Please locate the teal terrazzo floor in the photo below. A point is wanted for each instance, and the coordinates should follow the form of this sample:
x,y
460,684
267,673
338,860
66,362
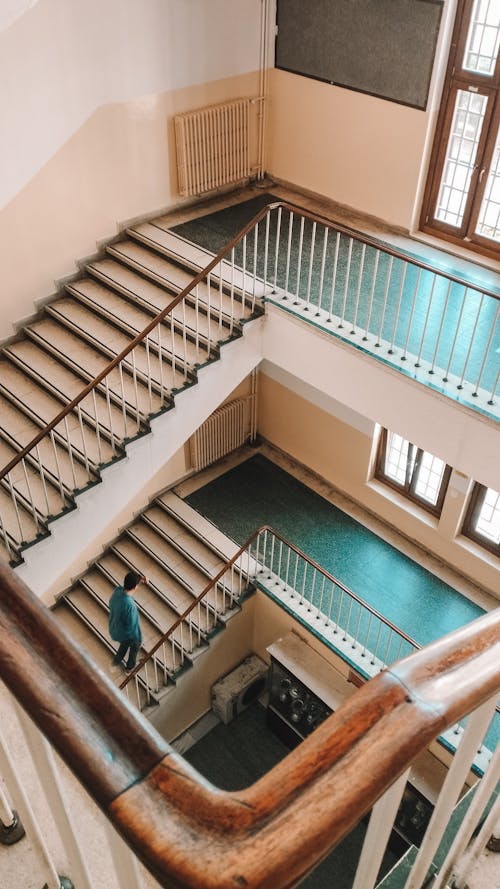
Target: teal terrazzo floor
x,y
257,492
415,298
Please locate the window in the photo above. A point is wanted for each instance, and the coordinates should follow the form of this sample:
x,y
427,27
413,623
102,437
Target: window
x,y
462,200
482,522
406,467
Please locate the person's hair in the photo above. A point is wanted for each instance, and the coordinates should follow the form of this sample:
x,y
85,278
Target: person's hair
x,y
131,580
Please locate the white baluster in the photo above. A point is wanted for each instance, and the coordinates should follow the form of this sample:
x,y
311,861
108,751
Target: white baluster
x,y
379,830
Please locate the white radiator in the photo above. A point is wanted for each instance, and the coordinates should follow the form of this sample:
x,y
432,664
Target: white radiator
x,y
213,146
226,429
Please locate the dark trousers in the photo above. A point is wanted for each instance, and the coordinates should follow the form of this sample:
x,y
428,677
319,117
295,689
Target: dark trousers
x,y
132,648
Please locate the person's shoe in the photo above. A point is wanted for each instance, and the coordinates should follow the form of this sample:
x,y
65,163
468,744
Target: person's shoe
x,y
129,669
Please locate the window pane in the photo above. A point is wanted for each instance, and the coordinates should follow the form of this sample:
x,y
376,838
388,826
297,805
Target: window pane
x,y
488,223
396,458
481,48
488,520
430,476
465,133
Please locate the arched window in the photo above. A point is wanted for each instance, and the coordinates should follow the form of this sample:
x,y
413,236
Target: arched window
x,y
462,200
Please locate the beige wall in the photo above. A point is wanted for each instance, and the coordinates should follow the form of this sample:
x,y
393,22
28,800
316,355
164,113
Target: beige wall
x,y
357,150
118,165
340,448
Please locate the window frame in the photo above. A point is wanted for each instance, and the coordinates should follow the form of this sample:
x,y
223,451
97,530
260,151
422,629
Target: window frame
x,y
457,78
472,514
408,490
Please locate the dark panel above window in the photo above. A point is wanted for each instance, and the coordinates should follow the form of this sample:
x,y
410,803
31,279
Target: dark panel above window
x,y
381,47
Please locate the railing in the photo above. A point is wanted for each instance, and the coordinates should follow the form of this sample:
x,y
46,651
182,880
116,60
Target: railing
x,y
271,834
428,323
360,634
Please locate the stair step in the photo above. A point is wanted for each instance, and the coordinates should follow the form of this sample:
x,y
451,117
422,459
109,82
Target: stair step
x,y
155,297
67,384
200,525
90,360
158,269
28,483
160,238
15,426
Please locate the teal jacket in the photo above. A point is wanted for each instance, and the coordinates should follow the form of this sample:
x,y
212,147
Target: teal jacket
x,y
124,617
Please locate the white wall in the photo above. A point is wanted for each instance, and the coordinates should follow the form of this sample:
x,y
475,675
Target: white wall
x,y
88,92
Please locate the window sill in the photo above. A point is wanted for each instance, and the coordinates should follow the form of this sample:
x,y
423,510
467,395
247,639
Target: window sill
x,y
479,552
404,503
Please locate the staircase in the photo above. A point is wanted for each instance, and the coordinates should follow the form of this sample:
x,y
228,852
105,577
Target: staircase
x,y
180,552
72,342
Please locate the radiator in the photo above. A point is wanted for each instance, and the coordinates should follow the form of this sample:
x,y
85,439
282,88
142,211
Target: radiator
x,y
226,429
213,146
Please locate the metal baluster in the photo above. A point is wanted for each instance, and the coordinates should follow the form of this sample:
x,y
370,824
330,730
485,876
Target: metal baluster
x,y
385,659
375,647
329,613
294,585
82,433
108,403
334,276
358,292
299,265
271,567
231,295
276,255
97,428
438,338
413,303
136,390
30,497
255,245
289,552
427,314
377,835
301,598
398,307
384,304
160,366
322,269
372,294
356,632
148,366
197,319
280,553
16,508
320,606
309,276
486,351
368,630
220,299
244,264
469,350
346,285
346,628
493,391
6,540
173,364
455,336
42,477
184,338
209,314
288,253
70,451
266,249
58,468
313,584
124,411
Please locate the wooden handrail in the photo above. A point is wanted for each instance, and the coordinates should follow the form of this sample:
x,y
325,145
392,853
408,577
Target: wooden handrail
x,y
191,835
230,562
222,254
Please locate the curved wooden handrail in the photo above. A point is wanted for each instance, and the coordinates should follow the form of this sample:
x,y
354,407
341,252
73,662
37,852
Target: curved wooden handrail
x,y
191,835
222,254
230,562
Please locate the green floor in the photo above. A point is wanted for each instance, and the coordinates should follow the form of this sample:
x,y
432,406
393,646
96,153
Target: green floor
x,y
415,298
257,492
234,756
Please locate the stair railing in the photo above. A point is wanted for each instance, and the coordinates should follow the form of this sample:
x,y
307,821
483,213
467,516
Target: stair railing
x,y
362,636
399,309
270,835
